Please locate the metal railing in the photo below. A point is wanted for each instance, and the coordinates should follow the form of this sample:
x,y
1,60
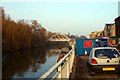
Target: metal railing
x,y
63,70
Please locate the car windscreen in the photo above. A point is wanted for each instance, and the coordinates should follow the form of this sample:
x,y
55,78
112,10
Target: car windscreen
x,y
106,53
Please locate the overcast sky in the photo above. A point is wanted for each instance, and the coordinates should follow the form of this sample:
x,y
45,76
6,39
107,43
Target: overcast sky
x,y
75,17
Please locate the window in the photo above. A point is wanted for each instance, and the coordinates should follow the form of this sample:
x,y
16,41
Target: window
x,y
106,53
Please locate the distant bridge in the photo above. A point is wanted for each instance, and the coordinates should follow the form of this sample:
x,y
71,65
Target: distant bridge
x,y
59,37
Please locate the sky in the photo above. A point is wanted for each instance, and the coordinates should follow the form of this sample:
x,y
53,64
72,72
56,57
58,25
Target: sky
x,y
65,16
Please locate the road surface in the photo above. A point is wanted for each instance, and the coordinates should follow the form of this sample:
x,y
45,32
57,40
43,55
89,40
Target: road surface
x,y
82,71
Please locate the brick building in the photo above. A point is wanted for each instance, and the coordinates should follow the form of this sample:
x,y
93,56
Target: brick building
x,y
117,24
109,30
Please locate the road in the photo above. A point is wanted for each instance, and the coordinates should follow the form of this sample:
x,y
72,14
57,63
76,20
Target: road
x,y
82,71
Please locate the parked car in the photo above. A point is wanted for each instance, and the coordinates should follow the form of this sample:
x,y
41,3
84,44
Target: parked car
x,y
103,59
63,52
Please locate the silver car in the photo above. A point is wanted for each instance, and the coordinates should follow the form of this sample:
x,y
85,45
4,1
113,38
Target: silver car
x,y
103,59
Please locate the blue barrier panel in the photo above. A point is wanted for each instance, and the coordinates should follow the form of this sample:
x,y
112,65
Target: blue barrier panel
x,y
83,45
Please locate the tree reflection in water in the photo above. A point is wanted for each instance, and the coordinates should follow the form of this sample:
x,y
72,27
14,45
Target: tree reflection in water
x,y
39,57
19,62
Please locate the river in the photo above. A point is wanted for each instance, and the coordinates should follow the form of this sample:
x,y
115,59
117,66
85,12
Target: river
x,y
28,63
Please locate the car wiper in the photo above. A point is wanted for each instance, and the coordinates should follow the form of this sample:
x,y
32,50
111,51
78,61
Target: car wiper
x,y
108,56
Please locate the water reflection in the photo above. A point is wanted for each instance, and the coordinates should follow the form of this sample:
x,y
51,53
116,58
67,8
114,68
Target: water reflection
x,y
38,57
22,61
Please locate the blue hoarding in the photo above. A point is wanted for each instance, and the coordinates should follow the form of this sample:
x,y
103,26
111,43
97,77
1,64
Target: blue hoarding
x,y
83,45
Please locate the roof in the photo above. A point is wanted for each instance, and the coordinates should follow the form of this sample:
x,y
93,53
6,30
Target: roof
x,y
104,48
117,19
110,24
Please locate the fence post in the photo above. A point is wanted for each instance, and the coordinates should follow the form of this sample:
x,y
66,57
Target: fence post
x,y
68,66
60,72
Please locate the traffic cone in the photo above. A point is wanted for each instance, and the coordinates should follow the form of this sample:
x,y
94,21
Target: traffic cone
x,y
85,54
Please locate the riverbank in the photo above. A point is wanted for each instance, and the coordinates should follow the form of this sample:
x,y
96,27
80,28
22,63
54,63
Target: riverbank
x,y
47,45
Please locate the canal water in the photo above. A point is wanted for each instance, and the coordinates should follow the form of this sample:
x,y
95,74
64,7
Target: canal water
x,y
28,63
